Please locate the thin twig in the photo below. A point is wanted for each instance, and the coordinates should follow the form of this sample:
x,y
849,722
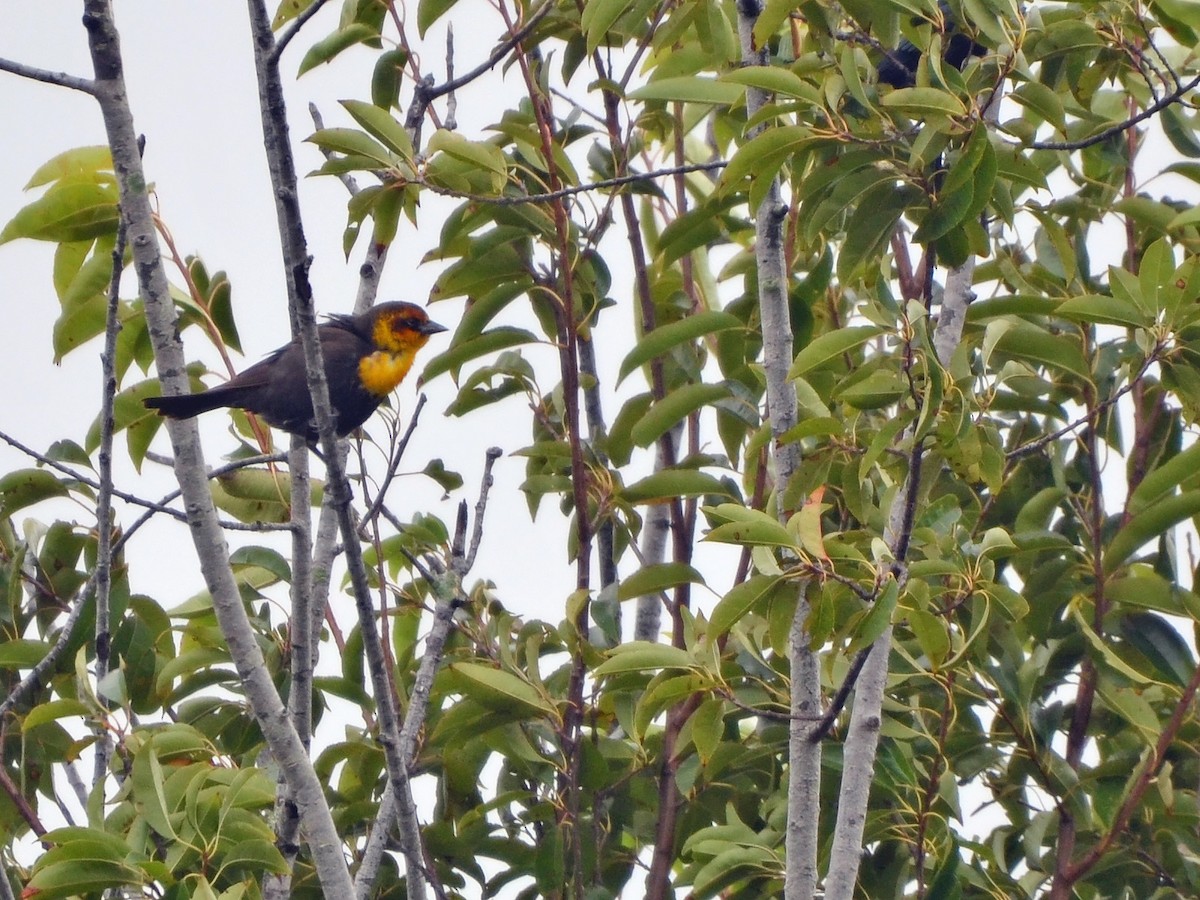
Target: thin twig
x,y
451,120
61,79
502,50
393,465
1174,97
18,800
838,703
485,486
1035,446
285,37
435,644
300,305
159,506
580,188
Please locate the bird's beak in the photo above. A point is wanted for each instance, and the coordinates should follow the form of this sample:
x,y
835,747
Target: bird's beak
x,y
431,327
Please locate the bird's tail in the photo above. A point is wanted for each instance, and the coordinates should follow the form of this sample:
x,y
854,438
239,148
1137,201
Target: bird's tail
x,y
186,406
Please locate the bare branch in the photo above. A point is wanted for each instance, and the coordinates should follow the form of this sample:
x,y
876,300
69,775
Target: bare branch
x,y
159,506
393,466
559,194
485,486
433,92
299,22
112,95
59,79
450,596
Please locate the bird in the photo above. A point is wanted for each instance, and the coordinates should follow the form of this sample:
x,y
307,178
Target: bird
x,y
366,356
899,67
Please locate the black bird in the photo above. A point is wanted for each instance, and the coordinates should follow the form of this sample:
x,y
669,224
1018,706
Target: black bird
x,y
899,67
366,356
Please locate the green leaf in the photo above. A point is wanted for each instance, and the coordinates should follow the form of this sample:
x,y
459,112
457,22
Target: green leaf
x,y
674,407
264,559
668,484
381,125
872,224
1161,643
253,495
620,435
1105,652
643,656
878,618
482,155
773,15
22,653
1104,310
752,594
386,78
93,163
1148,525
72,873
830,346
707,727
1043,101
1038,346
663,338
327,48
429,11
25,487
489,342
658,577
504,691
763,154
923,102
1180,471
1184,11
288,10
689,89
52,711
149,791
70,211
752,528
353,143
254,857
774,80
598,19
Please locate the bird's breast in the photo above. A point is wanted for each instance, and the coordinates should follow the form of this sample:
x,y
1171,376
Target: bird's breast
x,y
380,372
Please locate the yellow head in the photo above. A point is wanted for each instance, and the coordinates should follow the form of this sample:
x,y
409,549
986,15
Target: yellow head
x,y
398,330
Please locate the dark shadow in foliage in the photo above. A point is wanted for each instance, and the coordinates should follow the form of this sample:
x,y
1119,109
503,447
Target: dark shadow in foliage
x,y
899,67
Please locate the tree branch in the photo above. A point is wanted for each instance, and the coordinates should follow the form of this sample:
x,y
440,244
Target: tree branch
x,y
269,711
560,193
804,757
299,22
59,79
104,524
295,255
1154,108
450,598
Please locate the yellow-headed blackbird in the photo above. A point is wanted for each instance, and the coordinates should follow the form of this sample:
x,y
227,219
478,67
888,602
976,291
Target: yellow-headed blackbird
x,y
366,357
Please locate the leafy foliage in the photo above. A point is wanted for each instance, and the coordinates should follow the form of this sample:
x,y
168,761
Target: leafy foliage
x,y
1039,733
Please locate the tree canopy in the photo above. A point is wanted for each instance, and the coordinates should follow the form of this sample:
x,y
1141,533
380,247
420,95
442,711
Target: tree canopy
x,y
852,345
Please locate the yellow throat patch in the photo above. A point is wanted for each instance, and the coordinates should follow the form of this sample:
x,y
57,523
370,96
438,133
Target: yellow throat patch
x,y
382,370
